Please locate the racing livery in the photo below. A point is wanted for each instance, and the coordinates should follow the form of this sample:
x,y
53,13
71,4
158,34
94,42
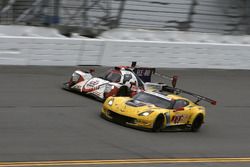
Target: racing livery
x,y
120,81
157,111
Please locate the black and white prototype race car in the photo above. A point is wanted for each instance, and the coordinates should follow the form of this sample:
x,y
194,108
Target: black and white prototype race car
x,y
119,81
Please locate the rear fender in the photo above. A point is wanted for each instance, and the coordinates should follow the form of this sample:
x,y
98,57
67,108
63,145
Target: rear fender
x,y
195,113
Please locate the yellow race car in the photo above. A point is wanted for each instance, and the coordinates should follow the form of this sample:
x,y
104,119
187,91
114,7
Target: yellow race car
x,y
157,111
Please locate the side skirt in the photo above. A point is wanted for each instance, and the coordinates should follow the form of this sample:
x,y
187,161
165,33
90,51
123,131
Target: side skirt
x,y
177,128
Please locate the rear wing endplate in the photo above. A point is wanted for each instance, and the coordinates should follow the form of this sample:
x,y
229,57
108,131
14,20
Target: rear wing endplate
x,y
145,74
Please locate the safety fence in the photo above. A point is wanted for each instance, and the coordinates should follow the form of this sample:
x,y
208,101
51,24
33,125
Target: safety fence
x,y
214,16
72,52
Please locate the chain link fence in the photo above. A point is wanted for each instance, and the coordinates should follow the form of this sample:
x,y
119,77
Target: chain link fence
x,y
90,17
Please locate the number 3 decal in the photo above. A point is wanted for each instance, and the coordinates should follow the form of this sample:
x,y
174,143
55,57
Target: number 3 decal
x,y
176,119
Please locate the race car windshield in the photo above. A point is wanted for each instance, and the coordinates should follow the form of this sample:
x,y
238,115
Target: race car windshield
x,y
113,77
153,99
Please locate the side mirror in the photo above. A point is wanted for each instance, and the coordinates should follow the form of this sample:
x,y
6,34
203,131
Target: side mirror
x,y
132,83
125,80
179,109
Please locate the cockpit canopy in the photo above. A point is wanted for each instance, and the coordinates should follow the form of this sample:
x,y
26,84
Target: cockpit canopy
x,y
113,76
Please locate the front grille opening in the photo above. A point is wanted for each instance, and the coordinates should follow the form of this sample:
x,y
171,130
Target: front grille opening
x,y
121,118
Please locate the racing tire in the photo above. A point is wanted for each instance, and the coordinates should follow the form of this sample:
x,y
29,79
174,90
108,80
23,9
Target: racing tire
x,y
123,91
158,123
197,123
103,116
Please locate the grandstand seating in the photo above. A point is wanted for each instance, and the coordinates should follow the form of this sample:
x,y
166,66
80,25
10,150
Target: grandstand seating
x,y
223,16
160,14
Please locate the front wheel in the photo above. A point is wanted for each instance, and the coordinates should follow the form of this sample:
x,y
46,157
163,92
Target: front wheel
x,y
197,123
158,123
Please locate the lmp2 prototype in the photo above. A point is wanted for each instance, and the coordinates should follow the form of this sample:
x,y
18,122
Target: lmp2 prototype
x,y
157,111
119,81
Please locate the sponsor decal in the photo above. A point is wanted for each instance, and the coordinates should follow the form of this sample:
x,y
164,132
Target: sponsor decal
x,y
177,119
92,83
180,118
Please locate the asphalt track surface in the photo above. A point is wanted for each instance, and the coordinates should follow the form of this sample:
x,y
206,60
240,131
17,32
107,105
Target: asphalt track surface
x,y
41,122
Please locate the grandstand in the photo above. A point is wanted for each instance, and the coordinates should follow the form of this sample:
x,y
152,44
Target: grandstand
x,y
95,16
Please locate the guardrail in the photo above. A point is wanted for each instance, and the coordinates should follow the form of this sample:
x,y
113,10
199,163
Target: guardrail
x,y
72,52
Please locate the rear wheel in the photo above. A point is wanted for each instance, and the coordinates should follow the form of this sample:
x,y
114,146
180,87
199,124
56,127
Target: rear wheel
x,y
158,123
123,91
197,123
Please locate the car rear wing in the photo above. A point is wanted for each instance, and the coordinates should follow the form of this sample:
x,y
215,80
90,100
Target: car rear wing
x,y
178,91
145,74
173,79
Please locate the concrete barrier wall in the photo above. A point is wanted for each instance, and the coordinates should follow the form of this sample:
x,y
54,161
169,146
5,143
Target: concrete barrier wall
x,y
12,51
39,51
53,51
71,52
178,55
91,52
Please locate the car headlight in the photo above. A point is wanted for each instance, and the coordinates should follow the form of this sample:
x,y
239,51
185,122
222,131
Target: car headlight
x,y
108,88
146,113
110,102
